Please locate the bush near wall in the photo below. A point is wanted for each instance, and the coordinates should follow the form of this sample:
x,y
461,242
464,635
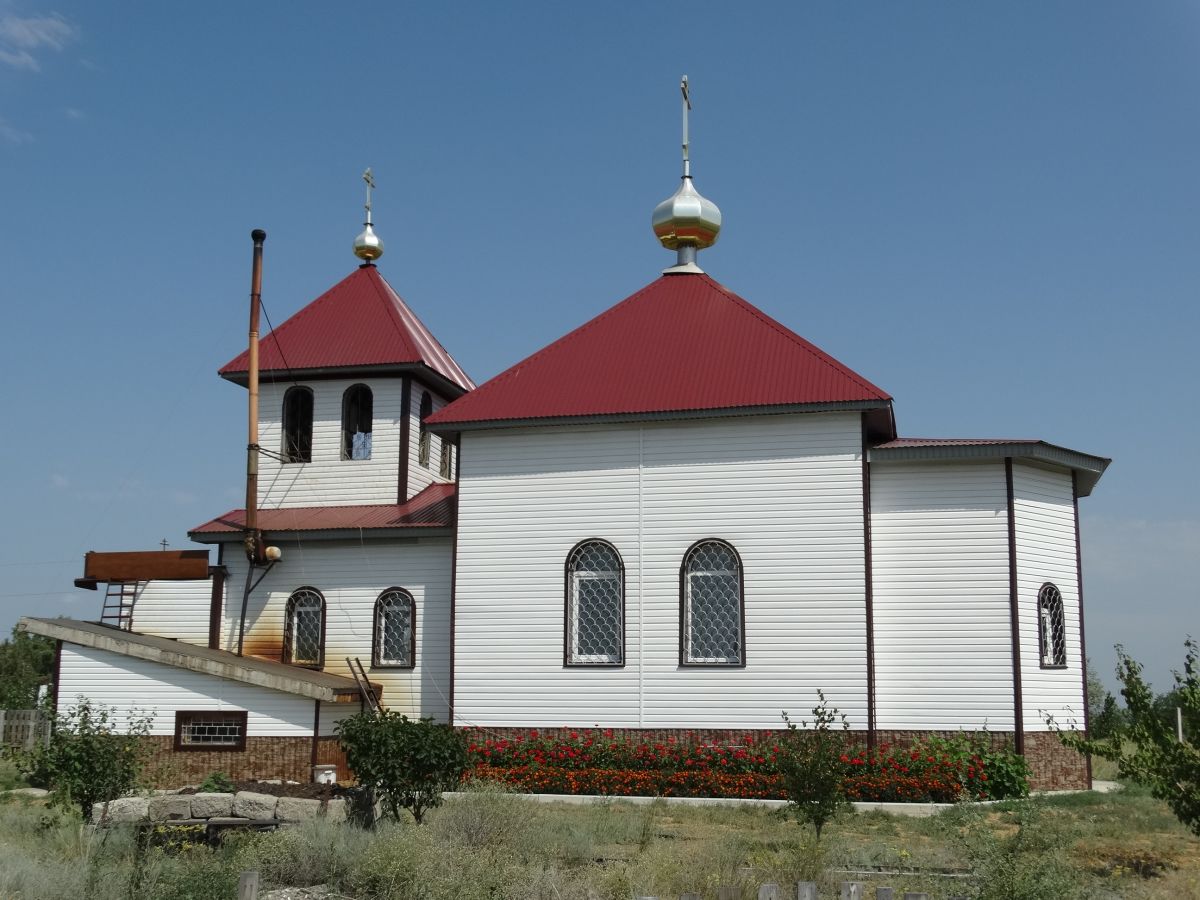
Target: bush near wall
x,y
941,770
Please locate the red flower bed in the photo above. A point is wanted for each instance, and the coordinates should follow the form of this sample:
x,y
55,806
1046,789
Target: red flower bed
x,y
597,762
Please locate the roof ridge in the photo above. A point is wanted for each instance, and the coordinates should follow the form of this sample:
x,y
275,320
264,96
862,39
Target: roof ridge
x,y
390,308
797,339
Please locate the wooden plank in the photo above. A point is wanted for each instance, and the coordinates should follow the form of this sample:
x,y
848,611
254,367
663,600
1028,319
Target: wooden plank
x,y
146,565
248,885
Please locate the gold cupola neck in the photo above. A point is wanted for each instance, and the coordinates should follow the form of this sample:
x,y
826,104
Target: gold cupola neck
x,y
686,222
368,246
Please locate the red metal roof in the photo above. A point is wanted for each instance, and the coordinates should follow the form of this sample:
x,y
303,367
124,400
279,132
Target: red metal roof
x,y
682,343
432,508
360,321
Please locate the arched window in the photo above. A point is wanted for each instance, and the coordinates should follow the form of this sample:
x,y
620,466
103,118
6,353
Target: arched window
x,y
395,629
1052,628
447,464
357,411
423,444
595,606
712,618
304,629
297,425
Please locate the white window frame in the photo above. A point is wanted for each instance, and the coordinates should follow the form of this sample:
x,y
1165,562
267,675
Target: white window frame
x,y
573,655
687,617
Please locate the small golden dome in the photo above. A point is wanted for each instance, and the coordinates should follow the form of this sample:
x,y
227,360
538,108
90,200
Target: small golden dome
x,y
686,219
368,246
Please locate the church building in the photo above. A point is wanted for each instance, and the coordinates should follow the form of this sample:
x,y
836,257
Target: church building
x,y
679,517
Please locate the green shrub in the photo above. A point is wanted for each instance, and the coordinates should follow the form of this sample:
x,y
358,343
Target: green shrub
x,y
407,763
811,765
87,760
217,783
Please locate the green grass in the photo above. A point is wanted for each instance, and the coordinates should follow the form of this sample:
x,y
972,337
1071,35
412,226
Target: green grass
x,y
489,844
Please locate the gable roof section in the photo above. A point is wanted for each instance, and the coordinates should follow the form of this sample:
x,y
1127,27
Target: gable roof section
x,y
434,507
682,344
359,322
219,663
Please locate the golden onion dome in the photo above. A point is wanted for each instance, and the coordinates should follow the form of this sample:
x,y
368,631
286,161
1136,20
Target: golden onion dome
x,y
686,219
368,246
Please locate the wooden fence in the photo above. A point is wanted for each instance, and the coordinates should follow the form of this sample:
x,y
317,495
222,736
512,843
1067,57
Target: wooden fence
x,y
248,887
23,728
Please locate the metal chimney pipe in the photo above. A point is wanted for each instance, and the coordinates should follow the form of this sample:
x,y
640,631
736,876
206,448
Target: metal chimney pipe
x,y
253,551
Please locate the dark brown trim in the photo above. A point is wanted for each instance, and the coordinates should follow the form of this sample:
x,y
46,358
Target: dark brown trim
x,y
454,577
567,663
312,759
405,437
55,681
216,602
287,629
1083,660
683,602
868,588
1014,611
181,715
412,632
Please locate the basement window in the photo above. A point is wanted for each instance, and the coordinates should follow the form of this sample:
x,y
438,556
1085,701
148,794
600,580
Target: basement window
x,y
210,730
297,425
595,606
304,629
425,437
712,611
357,410
1052,628
395,629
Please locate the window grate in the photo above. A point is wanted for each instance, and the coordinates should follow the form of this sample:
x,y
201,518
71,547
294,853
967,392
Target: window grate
x,y
595,606
395,614
210,730
712,605
1052,627
305,626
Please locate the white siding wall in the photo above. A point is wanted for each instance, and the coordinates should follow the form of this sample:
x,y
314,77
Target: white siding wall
x,y
128,684
329,479
351,575
419,476
174,609
1045,518
785,491
332,713
943,643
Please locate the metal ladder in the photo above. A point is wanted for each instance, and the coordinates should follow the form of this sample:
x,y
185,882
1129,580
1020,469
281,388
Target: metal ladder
x,y
119,598
364,684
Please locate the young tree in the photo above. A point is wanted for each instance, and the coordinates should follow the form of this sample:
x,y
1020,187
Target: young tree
x,y
812,767
1104,715
407,763
26,661
88,760
1148,750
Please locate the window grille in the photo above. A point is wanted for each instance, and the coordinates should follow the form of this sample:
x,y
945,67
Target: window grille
x,y
445,467
357,420
395,629
423,443
210,730
595,606
712,605
297,425
305,628
1052,627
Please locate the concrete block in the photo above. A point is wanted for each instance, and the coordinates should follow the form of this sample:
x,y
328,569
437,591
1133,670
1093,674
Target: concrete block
x,y
129,809
296,809
207,805
335,810
169,807
251,805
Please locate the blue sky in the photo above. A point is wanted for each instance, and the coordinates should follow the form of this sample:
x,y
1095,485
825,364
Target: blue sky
x,y
991,212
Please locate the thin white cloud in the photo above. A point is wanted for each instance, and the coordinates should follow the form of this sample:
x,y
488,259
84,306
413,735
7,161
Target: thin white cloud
x,y
12,135
72,113
23,37
59,481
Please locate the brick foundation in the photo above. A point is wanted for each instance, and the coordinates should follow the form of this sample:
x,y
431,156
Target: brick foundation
x,y
289,758
1052,766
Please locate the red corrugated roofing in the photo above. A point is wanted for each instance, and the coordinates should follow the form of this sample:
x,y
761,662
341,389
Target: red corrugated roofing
x,y
360,321
431,508
954,442
682,343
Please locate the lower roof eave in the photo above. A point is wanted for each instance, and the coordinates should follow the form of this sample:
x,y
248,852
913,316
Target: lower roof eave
x,y
276,676
452,428
329,534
